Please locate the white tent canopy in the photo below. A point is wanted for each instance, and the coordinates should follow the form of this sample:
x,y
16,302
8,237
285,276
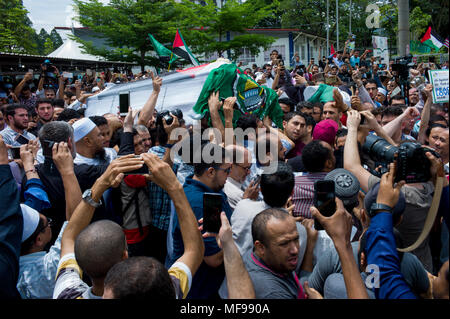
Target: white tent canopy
x,y
71,49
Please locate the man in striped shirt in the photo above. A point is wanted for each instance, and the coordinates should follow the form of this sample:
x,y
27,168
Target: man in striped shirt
x,y
318,159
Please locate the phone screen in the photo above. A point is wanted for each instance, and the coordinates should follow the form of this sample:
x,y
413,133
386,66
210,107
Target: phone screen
x,y
324,200
15,151
331,80
22,139
212,206
47,148
124,102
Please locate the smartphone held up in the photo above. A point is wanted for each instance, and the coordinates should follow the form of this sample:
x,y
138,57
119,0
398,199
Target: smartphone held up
x,y
324,200
212,207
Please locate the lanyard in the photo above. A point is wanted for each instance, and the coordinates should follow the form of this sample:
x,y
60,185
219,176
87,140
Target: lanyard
x,y
300,293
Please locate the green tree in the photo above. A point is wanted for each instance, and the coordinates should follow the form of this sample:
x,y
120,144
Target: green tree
x,y
56,39
206,27
125,25
311,16
16,33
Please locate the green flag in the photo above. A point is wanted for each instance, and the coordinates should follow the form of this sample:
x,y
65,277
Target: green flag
x,y
161,50
251,98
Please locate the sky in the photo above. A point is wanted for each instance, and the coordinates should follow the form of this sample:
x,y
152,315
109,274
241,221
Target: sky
x,y
48,14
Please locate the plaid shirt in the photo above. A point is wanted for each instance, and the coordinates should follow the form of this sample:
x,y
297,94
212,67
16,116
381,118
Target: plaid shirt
x,y
303,195
159,199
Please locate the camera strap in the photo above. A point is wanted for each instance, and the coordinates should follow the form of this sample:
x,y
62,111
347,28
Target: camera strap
x,y
431,216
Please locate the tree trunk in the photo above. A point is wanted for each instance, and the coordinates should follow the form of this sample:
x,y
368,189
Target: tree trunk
x,y
142,60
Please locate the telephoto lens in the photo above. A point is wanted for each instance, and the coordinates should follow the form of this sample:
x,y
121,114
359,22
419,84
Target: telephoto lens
x,y
413,166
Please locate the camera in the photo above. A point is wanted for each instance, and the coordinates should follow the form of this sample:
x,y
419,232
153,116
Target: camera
x,y
413,165
169,119
50,67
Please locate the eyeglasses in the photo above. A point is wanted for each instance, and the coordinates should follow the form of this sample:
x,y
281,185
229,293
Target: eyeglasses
x,y
49,223
226,170
247,168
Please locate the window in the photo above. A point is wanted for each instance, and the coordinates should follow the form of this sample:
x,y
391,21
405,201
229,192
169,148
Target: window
x,y
211,57
246,57
281,50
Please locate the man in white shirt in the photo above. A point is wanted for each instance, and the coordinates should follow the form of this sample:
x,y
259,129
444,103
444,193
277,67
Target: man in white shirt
x,y
242,162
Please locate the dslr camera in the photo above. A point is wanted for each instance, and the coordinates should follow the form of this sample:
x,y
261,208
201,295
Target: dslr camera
x,y
49,65
413,165
165,114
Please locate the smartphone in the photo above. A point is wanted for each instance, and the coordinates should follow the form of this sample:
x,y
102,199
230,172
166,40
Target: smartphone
x,y
47,147
363,120
15,151
22,139
124,103
324,200
256,179
212,207
331,80
319,77
140,171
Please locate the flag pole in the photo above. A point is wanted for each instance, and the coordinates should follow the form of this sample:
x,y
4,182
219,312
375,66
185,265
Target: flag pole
x,y
171,55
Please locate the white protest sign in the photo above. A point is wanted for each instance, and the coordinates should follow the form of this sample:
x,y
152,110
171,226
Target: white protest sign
x,y
380,49
439,79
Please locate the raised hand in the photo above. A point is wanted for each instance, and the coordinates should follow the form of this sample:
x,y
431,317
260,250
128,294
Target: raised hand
x,y
338,226
114,173
62,157
157,82
160,172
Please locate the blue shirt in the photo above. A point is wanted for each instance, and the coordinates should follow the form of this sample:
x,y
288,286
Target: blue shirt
x,y
382,251
207,280
354,60
35,195
38,271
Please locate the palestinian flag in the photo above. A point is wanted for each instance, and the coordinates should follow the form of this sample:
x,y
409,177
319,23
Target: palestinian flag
x,y
181,49
432,40
332,52
161,50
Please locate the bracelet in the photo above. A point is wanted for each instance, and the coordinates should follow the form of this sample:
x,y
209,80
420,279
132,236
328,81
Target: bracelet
x,y
33,170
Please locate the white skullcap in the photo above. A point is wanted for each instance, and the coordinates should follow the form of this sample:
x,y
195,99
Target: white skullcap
x,y
382,91
30,221
81,128
95,89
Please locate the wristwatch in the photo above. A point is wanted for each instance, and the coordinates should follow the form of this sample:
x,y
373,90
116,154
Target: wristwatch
x,y
88,199
376,208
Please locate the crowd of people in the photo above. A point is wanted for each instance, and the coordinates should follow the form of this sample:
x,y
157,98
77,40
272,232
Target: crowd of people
x,y
103,207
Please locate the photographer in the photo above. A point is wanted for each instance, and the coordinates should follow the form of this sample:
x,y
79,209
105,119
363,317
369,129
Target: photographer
x,y
381,248
51,83
418,195
23,92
